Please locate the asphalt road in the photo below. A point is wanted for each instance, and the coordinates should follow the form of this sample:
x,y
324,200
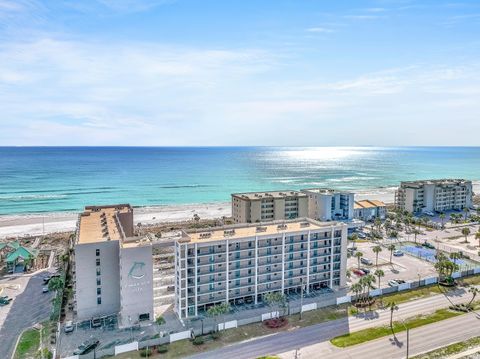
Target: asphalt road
x,y
303,337
421,340
30,307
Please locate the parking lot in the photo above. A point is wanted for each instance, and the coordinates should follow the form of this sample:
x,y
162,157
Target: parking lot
x,y
405,267
28,307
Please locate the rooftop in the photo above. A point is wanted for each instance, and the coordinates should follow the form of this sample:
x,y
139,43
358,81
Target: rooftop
x,y
325,191
368,203
251,230
444,181
252,196
99,223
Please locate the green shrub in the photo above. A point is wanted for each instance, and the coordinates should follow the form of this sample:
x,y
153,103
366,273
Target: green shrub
x,y
45,354
162,349
145,353
198,341
215,335
160,320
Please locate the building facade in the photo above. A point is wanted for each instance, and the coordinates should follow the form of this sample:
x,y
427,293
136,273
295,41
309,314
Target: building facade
x,y
367,210
434,195
240,263
255,207
327,204
113,269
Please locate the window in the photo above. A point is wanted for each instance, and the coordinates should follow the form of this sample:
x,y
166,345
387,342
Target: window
x,y
99,291
144,316
99,281
98,261
97,252
98,271
99,300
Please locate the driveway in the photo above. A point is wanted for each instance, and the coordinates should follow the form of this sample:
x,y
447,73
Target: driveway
x,y
30,307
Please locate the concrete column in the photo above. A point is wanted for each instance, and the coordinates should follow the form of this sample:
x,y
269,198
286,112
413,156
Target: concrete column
x,y
283,263
256,268
226,276
331,255
186,281
308,262
196,275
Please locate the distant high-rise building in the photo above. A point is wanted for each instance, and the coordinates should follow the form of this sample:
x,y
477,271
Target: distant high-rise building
x,y
434,195
254,207
327,204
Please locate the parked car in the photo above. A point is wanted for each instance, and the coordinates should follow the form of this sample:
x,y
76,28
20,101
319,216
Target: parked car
x,y
393,283
86,346
359,272
399,281
96,322
431,214
397,253
365,270
68,328
361,235
366,261
5,300
45,290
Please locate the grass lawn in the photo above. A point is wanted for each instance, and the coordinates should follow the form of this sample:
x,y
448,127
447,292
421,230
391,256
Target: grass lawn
x,y
408,295
28,344
368,334
450,349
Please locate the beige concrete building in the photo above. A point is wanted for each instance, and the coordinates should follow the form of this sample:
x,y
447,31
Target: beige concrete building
x,y
254,207
367,210
434,195
113,269
325,204
240,263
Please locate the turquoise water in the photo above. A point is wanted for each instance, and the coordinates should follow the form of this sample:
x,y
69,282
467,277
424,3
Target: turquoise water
x,y
51,179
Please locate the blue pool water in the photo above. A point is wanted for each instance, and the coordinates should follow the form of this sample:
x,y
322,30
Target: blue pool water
x,y
429,255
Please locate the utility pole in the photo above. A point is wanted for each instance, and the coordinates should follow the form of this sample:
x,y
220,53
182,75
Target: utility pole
x,y
408,337
301,297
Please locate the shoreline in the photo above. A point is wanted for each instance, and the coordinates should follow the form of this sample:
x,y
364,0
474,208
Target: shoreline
x,y
34,224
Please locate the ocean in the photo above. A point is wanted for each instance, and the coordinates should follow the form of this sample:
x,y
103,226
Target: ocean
x,y
65,179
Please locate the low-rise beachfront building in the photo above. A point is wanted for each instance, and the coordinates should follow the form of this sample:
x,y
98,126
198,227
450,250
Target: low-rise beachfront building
x,y
113,271
368,210
240,263
326,204
255,207
434,195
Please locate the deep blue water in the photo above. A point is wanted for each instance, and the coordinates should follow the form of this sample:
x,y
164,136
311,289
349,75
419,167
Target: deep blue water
x,y
48,179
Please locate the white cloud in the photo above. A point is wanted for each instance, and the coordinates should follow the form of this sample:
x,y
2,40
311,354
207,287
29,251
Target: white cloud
x,y
320,30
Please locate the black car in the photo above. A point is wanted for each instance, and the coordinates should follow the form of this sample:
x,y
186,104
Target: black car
x,y
365,270
86,346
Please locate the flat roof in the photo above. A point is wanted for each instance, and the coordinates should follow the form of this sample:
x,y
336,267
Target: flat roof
x,y
368,203
444,181
251,230
325,191
98,223
252,196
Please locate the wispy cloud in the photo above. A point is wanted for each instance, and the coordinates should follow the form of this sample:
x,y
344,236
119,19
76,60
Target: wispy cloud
x,y
320,30
133,5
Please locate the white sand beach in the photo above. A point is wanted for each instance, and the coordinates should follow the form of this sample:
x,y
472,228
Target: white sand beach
x,y
38,224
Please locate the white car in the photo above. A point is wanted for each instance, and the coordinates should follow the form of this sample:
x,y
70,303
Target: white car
x,y
393,283
68,328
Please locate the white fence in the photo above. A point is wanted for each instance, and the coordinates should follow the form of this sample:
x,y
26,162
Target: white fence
x,y
307,307
179,336
404,286
476,270
431,280
269,315
228,325
119,349
346,299
456,275
376,292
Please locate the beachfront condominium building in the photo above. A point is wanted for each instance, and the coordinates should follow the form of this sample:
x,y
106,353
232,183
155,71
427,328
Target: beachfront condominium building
x,y
369,209
254,207
240,263
434,195
327,204
113,269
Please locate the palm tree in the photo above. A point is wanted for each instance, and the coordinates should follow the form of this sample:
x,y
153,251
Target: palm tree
x,y
393,307
379,274
477,236
416,232
378,223
454,256
391,248
217,310
466,232
474,292
376,250
358,255
442,218
356,288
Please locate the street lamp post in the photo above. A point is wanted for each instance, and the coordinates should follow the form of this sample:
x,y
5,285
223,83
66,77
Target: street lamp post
x,y
408,336
301,298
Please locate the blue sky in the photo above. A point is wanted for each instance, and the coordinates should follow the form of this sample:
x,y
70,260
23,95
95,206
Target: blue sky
x,y
239,72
